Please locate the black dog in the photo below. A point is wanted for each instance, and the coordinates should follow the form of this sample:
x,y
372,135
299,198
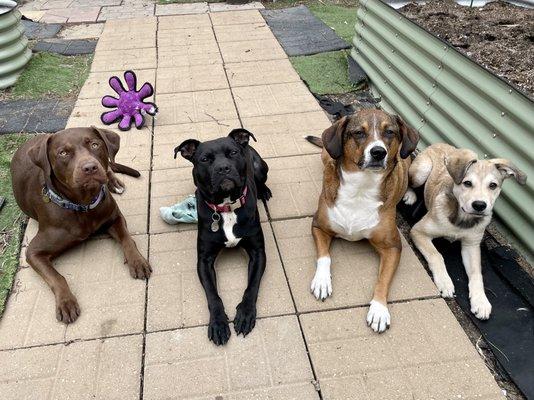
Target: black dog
x,y
230,177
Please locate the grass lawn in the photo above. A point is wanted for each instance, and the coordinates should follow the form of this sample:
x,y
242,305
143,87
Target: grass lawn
x,y
340,19
10,217
50,75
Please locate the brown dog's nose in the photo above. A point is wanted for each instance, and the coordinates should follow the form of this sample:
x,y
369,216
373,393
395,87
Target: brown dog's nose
x,y
89,168
378,153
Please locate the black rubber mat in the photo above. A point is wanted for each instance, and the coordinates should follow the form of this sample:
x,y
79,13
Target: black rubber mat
x,y
301,33
510,329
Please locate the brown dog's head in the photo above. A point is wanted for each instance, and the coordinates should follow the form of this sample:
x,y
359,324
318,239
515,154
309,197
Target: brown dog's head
x,y
369,139
77,158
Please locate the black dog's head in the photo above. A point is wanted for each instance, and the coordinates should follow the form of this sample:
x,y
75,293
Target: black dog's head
x,y
220,165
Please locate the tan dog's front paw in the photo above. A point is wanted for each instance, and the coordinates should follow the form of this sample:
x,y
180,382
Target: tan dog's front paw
x,y
140,268
480,306
67,308
444,284
409,197
378,317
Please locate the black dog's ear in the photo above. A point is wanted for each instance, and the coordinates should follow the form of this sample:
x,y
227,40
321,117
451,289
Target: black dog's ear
x,y
333,138
38,154
111,139
242,136
409,137
187,149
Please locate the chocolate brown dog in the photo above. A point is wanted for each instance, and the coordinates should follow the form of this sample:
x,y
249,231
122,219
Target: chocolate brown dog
x,y
62,180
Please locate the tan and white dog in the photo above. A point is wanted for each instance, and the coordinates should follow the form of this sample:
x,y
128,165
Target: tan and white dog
x,y
366,161
460,192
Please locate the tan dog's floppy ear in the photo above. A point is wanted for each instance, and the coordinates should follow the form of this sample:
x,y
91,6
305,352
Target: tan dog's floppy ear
x,y
507,170
458,164
187,149
38,154
332,138
111,139
242,136
409,137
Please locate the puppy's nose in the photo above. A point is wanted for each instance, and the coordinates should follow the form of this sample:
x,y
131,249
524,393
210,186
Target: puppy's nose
x,y
378,153
89,168
479,205
223,169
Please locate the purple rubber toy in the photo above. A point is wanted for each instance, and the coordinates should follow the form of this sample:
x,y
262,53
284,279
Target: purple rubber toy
x,y
130,105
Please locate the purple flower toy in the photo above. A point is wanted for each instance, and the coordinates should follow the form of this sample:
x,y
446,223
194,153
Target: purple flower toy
x,y
130,105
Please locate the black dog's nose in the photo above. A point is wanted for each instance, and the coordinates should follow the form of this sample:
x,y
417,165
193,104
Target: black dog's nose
x,y
223,169
89,168
479,205
378,153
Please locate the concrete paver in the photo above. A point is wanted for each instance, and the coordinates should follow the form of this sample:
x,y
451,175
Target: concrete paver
x,y
261,73
116,60
176,298
184,21
82,31
218,7
233,18
270,363
97,84
410,361
195,54
251,50
97,369
71,15
191,78
186,8
185,37
243,32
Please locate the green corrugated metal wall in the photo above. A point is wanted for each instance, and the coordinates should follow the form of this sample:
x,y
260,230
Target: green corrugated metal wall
x,y
14,52
449,98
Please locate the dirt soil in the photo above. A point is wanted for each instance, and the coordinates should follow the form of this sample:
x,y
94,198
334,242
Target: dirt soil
x,y
499,36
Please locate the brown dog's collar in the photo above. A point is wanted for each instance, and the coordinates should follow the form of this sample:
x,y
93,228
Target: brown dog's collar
x,y
229,207
50,195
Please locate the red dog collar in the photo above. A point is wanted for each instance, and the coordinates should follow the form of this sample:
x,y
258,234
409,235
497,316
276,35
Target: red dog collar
x,y
228,207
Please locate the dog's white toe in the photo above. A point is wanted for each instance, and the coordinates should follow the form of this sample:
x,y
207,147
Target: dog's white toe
x,y
321,285
444,285
480,306
378,317
409,197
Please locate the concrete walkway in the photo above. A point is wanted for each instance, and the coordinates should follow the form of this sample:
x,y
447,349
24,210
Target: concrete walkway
x,y
148,340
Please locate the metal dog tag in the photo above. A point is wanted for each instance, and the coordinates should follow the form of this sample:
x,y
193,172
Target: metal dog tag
x,y
215,224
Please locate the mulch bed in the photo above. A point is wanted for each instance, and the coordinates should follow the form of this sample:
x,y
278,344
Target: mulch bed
x,y
499,36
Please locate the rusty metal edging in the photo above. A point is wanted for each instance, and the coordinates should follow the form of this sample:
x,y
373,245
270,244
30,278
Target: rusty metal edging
x,y
14,51
449,98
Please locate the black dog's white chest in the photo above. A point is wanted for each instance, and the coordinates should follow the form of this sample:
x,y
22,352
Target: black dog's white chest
x,y
229,220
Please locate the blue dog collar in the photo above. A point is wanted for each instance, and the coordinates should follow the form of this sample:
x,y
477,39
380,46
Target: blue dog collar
x,y
50,195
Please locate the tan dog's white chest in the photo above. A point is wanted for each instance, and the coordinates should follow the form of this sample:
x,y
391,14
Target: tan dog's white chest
x,y
355,212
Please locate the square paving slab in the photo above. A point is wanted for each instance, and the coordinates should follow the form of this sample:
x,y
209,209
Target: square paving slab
x,y
424,355
251,50
191,78
185,37
243,32
111,301
261,73
176,298
354,269
270,363
282,98
236,18
122,60
186,8
97,369
97,84
184,22
195,54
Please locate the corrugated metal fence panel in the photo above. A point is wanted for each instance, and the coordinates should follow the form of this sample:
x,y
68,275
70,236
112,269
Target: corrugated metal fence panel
x,y
14,52
449,98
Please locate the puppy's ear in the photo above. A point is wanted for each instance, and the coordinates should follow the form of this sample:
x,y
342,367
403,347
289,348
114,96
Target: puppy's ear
x,y
187,149
458,164
333,138
242,136
111,139
409,137
507,170
38,154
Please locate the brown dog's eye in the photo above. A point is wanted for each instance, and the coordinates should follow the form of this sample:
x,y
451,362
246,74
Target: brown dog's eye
x,y
63,153
468,184
389,133
359,134
493,186
95,145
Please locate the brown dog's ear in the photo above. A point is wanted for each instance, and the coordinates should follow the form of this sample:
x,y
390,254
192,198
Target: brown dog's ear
x,y
111,139
38,154
507,170
187,149
242,136
333,138
409,137
457,166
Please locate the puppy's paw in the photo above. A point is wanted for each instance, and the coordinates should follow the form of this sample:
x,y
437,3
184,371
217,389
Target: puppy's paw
x,y
140,268
480,306
264,193
67,308
245,319
378,318
321,285
444,284
219,330
409,197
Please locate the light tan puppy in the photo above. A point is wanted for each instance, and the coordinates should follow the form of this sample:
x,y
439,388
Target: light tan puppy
x,y
366,161
460,192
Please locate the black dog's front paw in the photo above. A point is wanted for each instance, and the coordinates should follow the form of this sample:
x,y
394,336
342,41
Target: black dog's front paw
x,y
245,319
264,193
219,330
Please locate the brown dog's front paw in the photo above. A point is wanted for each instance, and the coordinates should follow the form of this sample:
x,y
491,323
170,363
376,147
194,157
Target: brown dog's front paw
x,y
67,308
140,268
115,185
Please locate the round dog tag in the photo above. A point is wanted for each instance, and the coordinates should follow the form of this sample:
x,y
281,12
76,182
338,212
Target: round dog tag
x,y
215,224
